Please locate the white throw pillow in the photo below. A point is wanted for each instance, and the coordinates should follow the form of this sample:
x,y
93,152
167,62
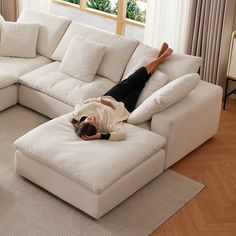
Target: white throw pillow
x,y
164,97
82,59
18,40
156,81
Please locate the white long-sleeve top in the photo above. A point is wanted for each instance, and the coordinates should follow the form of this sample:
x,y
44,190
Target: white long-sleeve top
x,y
108,120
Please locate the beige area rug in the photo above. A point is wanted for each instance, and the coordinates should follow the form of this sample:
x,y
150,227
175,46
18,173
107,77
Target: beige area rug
x,y
26,209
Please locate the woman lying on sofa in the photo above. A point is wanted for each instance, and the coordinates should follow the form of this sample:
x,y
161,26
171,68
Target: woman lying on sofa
x,y
102,118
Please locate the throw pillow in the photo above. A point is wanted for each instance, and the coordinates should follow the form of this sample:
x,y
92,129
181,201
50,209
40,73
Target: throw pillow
x,y
82,59
18,39
164,98
157,80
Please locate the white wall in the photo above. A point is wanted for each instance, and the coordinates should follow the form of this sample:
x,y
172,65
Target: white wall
x,y
38,5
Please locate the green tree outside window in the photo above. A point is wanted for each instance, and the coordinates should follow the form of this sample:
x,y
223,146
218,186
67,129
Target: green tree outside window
x,y
132,11
101,5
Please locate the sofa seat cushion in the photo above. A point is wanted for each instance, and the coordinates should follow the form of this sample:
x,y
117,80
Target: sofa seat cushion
x,y
20,66
6,79
49,80
94,164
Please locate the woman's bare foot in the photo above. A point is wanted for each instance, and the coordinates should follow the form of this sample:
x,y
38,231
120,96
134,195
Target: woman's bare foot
x,y
152,66
166,53
162,50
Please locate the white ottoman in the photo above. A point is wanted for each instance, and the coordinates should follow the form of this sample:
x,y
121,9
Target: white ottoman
x,y
8,90
93,176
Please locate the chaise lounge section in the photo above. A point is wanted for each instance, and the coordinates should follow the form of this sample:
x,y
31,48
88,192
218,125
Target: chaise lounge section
x,y
92,176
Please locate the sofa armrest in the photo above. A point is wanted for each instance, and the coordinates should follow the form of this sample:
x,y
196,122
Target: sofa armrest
x,y
190,122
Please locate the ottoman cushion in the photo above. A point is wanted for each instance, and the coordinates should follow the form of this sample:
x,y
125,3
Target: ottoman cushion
x,y
96,165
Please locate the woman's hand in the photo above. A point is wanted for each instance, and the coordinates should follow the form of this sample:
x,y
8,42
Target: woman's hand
x,y
108,103
93,137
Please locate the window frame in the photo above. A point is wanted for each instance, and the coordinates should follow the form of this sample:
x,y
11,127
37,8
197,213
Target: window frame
x,y
120,18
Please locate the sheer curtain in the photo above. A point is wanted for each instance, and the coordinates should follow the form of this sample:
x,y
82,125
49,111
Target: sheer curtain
x,y
168,20
38,5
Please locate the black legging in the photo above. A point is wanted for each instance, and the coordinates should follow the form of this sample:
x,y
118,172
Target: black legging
x,y
128,90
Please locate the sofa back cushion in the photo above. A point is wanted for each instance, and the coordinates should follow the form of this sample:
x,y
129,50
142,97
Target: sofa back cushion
x,y
178,65
18,39
175,66
51,29
143,53
118,49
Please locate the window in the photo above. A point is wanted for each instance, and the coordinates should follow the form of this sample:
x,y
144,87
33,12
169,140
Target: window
x,y
131,12
136,10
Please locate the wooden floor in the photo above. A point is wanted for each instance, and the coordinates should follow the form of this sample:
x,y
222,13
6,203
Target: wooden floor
x,y
213,210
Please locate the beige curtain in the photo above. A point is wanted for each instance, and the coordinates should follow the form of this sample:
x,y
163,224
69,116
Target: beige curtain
x,y
8,9
210,37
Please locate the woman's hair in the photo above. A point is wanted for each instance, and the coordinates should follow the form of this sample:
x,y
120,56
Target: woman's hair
x,y
83,128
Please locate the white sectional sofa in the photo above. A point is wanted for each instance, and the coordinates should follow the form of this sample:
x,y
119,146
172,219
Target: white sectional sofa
x,y
95,176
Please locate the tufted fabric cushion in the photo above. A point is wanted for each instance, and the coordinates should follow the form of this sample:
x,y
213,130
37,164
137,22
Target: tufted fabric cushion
x,y
65,88
20,66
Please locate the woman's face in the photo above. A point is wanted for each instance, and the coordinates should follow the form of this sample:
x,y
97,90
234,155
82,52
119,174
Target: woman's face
x,y
91,120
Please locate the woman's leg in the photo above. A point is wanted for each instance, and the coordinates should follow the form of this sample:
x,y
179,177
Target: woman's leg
x,y
128,90
135,81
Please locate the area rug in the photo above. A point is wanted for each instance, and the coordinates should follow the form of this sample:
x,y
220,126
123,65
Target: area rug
x,y
26,209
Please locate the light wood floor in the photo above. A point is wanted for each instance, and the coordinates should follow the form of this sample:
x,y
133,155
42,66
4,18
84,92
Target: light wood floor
x,y
213,210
